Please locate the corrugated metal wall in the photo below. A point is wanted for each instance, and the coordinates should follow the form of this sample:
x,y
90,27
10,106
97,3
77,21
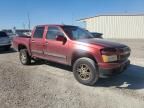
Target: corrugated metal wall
x,y
131,27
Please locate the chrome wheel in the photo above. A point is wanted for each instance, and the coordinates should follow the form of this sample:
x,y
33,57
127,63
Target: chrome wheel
x,y
23,57
84,71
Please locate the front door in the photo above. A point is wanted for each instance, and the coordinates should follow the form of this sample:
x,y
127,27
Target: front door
x,y
55,50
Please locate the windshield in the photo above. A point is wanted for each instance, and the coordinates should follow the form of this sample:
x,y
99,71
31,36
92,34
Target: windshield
x,y
76,33
3,34
8,31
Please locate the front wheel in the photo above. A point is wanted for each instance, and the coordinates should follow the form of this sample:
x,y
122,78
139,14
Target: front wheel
x,y
24,57
85,71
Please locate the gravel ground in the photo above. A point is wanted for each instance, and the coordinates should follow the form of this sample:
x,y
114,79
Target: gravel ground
x,y
50,85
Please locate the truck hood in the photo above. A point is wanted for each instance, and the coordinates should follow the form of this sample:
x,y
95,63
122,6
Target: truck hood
x,y
103,43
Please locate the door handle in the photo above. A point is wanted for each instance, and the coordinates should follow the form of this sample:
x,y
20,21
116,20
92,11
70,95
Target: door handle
x,y
33,41
46,43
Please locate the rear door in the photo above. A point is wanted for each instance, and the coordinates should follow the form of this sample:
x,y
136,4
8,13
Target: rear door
x,y
37,42
55,50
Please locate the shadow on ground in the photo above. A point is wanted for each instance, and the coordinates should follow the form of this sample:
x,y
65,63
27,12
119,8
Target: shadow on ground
x,y
53,64
132,78
2,51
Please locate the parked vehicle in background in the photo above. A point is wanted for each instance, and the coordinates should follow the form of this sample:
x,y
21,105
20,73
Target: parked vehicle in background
x,y
17,32
22,32
97,35
10,33
5,42
91,58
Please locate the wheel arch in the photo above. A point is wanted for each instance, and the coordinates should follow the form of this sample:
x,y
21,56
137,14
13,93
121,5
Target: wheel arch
x,y
21,46
79,54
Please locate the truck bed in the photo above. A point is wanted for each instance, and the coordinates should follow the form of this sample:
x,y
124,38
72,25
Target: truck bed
x,y
21,40
24,36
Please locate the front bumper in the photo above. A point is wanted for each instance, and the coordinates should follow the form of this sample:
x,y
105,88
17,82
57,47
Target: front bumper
x,y
111,69
5,45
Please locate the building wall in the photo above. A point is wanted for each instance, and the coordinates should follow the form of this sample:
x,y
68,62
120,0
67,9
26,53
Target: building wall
x,y
131,27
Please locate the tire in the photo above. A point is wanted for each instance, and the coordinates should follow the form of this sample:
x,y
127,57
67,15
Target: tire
x,y
85,71
7,48
24,57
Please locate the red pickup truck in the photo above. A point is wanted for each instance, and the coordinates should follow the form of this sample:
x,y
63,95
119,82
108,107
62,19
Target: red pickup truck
x,y
90,58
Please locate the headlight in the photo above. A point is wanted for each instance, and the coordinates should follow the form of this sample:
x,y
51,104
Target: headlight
x,y
109,54
110,58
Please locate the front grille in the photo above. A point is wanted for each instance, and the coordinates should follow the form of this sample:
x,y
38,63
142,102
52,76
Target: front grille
x,y
124,54
125,49
123,57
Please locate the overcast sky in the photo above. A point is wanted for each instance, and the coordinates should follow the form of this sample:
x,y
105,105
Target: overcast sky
x,y
14,12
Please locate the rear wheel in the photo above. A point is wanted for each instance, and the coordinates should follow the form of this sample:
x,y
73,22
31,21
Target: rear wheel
x,y
85,71
24,57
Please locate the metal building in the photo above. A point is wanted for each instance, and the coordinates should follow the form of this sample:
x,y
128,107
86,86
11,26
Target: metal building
x,y
118,26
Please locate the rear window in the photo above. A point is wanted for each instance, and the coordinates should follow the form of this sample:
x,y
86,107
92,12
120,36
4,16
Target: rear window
x,y
3,34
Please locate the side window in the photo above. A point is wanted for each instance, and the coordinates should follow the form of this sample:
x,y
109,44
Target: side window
x,y
39,32
53,32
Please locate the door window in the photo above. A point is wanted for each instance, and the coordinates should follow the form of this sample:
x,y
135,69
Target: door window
x,y
39,32
53,32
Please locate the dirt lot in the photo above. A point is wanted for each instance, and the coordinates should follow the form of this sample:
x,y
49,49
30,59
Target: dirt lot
x,y
49,85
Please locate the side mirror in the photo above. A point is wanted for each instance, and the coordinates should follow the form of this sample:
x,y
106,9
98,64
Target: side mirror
x,y
61,38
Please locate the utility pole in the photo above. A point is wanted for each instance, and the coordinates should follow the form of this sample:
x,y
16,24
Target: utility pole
x,y
29,22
